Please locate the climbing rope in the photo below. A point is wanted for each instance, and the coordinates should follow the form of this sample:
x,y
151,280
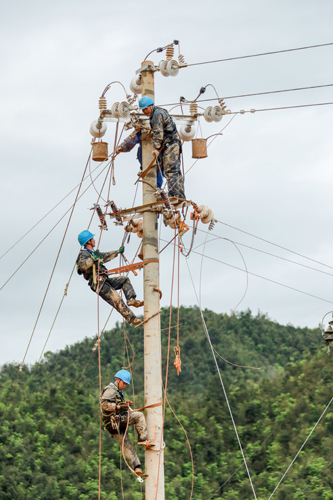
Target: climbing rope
x,y
222,385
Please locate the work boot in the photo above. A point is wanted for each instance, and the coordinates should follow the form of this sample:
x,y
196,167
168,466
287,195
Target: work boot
x,y
136,321
139,472
134,303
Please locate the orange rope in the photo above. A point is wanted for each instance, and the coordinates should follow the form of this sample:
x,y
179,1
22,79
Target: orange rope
x,y
167,365
178,362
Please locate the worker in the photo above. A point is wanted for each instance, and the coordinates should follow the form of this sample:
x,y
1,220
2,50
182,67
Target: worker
x,y
129,143
118,415
90,265
166,142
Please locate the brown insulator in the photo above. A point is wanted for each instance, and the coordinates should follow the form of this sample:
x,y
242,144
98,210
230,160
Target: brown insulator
x,y
181,60
116,212
169,52
102,104
165,199
193,108
101,216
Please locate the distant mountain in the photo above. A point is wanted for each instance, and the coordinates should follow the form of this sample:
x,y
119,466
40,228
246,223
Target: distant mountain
x,y
50,429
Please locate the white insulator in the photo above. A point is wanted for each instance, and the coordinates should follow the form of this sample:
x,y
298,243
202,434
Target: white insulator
x,y
202,210
115,110
140,233
97,129
162,66
102,104
124,109
208,218
172,67
136,84
208,114
217,113
187,132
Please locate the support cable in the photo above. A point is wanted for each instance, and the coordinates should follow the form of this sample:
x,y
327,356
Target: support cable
x,y
275,244
301,448
256,94
262,54
33,251
167,363
48,213
217,237
222,384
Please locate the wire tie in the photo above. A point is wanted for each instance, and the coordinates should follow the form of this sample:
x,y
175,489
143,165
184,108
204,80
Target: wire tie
x,y
66,289
21,365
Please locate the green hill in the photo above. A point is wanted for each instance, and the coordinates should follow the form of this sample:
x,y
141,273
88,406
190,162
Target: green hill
x,y
50,430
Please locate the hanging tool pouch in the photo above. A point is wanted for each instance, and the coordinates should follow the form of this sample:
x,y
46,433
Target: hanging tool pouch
x,y
96,279
116,422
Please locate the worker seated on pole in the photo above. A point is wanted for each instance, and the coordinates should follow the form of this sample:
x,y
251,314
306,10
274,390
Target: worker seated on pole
x,y
166,142
129,143
90,265
117,416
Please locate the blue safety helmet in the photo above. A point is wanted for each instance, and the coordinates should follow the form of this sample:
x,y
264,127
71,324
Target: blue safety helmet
x,y
145,101
84,237
124,375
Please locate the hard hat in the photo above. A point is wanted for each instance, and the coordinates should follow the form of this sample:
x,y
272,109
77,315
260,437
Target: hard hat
x,y
145,101
85,236
124,375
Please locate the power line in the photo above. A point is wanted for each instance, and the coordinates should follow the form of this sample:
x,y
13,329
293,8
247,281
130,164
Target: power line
x,y
242,112
255,94
217,237
275,244
263,277
261,54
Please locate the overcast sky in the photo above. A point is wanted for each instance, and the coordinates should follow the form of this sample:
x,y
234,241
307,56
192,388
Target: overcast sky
x,y
270,174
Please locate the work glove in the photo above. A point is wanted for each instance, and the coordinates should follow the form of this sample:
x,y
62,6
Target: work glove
x,y
155,152
129,402
97,254
121,250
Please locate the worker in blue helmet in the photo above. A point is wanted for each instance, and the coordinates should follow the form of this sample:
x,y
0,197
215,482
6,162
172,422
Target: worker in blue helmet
x,y
166,145
90,264
129,143
118,415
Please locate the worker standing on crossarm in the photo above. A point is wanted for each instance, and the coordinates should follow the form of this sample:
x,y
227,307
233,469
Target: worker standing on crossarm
x,y
166,141
117,415
90,265
129,143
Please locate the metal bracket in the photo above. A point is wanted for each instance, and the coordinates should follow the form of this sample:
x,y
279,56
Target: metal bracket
x,y
146,67
151,207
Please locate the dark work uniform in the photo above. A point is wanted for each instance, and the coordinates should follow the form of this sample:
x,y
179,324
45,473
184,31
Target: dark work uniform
x,y
129,143
116,421
107,286
165,134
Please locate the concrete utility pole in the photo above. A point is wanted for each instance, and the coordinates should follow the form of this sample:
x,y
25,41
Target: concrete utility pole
x,y
152,329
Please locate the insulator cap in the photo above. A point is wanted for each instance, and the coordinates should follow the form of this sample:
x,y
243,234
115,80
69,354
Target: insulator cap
x,y
98,129
187,132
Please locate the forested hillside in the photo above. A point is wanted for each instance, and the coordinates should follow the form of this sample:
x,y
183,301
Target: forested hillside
x,y
50,429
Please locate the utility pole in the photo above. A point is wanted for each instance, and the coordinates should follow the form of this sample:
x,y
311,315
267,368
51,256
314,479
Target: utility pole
x,y
152,328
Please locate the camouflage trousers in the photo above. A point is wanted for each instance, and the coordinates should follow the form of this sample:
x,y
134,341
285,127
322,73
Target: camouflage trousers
x,y
171,168
135,418
109,294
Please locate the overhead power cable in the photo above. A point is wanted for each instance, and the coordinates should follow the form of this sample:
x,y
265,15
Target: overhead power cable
x,y
48,213
261,251
221,381
274,244
243,111
301,448
263,277
255,94
262,54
